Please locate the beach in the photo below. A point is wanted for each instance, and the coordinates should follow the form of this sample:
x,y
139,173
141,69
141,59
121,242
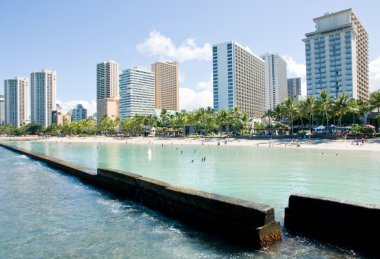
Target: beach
x,y
368,145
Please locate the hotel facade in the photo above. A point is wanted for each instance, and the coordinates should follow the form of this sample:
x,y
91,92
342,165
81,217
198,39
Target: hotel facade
x,y
238,79
294,88
107,89
276,85
166,85
137,92
79,113
43,96
16,95
337,56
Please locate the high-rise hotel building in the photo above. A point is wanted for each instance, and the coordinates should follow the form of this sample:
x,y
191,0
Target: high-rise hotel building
x,y
276,84
337,56
136,92
107,89
43,96
16,95
238,79
294,88
79,113
166,85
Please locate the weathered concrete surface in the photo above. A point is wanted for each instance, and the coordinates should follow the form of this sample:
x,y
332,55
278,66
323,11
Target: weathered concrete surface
x,y
236,219
77,170
336,221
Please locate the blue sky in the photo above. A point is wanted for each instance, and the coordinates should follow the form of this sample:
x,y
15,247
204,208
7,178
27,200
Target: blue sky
x,y
71,37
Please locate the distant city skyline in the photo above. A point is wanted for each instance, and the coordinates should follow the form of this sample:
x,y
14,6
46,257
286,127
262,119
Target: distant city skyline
x,y
74,46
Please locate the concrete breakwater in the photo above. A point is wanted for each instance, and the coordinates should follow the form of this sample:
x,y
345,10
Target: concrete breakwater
x,y
236,219
339,222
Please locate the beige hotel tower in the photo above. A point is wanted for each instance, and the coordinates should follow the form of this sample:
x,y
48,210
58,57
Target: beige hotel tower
x,y
107,89
166,85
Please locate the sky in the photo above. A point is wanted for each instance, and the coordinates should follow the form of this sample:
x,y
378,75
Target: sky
x,y
71,37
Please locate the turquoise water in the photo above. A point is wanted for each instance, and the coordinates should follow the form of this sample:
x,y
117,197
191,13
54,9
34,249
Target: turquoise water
x,y
265,175
46,214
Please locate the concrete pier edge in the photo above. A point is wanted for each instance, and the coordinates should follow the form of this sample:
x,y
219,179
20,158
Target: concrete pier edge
x,y
339,222
235,219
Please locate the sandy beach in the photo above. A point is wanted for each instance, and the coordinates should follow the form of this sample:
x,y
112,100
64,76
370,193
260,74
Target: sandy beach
x,y
369,145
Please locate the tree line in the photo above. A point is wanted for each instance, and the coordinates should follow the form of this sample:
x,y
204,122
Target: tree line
x,y
324,110
202,121
306,114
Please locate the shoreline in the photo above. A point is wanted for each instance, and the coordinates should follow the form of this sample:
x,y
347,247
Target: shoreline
x,y
369,145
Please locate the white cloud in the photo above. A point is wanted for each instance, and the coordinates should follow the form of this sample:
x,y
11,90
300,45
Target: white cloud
x,y
69,105
296,70
181,76
160,45
205,85
374,74
190,99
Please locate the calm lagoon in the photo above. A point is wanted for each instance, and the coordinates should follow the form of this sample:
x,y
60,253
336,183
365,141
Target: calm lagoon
x,y
43,206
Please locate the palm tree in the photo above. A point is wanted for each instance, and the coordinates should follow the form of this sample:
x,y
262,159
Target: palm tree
x,y
164,116
363,109
341,104
269,114
245,120
310,107
200,115
374,101
353,109
238,119
222,118
324,105
290,109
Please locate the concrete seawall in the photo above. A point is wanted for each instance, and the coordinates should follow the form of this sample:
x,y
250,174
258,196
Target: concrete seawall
x,y
238,220
335,221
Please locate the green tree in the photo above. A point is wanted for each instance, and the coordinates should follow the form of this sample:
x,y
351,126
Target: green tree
x,y
374,100
106,125
33,129
291,109
53,129
363,109
310,108
324,105
270,114
341,104
164,118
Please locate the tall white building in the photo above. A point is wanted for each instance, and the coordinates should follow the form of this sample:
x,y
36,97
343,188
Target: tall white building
x,y
2,110
276,84
79,113
337,56
43,96
238,79
107,88
137,92
16,95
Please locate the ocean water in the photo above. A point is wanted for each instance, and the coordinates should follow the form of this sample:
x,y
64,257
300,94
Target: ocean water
x,y
45,213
